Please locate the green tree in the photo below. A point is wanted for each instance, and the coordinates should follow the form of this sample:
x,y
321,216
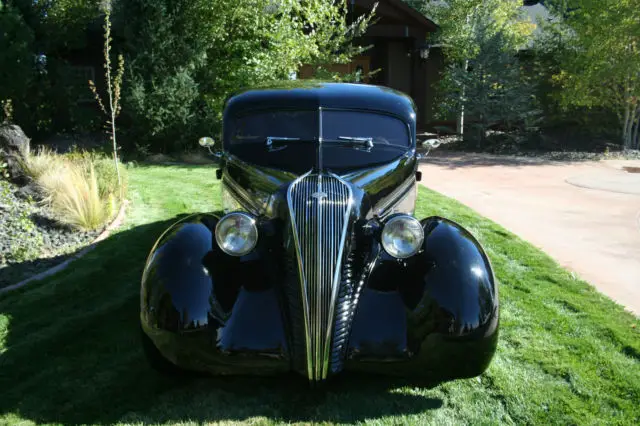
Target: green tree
x,y
460,20
483,82
187,56
597,45
492,89
16,55
45,96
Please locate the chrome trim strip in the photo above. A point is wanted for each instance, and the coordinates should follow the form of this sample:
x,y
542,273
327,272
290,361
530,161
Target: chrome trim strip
x,y
395,198
301,274
324,203
337,275
241,195
320,135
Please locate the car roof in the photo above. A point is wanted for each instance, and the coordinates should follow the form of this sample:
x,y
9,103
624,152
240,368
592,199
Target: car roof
x,y
309,94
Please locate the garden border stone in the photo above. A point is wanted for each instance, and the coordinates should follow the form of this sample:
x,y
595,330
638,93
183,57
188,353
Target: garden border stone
x,y
62,266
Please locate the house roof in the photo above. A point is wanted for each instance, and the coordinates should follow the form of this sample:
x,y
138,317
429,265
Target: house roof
x,y
411,15
414,14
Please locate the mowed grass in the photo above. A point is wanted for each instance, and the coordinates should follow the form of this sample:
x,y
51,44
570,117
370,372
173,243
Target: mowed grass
x,y
70,353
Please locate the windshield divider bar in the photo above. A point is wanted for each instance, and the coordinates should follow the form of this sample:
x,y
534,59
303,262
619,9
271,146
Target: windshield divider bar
x,y
320,160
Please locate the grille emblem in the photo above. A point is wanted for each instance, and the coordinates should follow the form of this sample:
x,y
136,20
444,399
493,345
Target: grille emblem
x,y
319,195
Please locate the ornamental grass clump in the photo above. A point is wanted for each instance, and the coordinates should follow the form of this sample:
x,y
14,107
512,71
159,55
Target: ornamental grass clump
x,y
80,187
106,174
37,164
74,196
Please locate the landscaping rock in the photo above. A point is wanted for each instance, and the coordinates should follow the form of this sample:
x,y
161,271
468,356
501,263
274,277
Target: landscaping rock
x,y
30,192
14,148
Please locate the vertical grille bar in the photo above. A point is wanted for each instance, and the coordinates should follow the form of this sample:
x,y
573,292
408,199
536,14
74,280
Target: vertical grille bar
x,y
320,206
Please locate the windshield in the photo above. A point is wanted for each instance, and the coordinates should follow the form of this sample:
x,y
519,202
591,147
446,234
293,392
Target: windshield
x,y
304,125
288,139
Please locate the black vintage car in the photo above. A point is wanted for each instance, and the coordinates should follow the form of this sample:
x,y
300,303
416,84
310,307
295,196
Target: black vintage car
x,y
317,264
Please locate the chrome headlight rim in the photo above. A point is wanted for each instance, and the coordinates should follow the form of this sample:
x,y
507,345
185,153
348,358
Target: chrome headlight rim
x,y
249,220
416,227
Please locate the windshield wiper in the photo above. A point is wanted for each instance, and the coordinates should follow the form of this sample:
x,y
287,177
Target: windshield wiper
x,y
357,142
271,139
273,143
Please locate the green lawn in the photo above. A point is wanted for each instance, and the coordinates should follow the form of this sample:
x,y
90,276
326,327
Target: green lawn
x,y
69,350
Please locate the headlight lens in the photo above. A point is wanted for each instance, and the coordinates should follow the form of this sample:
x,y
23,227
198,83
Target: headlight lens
x,y
237,234
402,236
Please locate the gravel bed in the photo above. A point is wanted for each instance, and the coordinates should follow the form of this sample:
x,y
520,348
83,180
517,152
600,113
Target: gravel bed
x,y
452,143
31,240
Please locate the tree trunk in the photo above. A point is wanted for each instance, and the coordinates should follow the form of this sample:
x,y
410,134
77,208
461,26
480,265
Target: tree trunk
x,y
635,142
460,128
626,128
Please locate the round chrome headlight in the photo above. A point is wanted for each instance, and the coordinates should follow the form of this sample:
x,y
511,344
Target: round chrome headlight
x,y
402,236
237,234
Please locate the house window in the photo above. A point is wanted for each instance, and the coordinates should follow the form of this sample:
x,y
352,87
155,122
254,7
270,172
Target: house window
x,y
80,76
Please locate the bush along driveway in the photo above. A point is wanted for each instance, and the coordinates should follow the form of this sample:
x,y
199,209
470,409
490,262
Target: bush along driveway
x,y
70,351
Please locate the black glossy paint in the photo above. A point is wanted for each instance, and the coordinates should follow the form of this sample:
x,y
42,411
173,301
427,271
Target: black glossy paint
x,y
305,95
209,311
432,316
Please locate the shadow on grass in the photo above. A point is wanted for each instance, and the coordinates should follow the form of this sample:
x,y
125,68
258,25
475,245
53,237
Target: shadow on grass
x,y
16,272
72,355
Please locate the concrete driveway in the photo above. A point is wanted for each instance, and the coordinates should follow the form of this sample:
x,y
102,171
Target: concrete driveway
x,y
584,214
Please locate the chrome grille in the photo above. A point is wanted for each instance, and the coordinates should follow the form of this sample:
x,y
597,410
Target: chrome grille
x,y
320,206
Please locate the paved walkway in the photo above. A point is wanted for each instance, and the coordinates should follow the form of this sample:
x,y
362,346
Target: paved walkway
x,y
584,214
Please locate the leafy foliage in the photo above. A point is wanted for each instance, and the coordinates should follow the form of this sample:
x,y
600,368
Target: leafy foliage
x,y
186,57
484,78
16,57
4,173
597,47
460,21
19,237
7,111
493,91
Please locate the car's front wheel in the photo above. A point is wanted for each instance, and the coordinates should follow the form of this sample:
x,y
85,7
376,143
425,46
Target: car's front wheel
x,y
155,359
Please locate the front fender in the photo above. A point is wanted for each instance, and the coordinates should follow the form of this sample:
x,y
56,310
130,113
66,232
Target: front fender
x,y
434,314
201,306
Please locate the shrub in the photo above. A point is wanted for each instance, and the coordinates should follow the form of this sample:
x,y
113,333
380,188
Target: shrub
x,y
196,157
81,187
